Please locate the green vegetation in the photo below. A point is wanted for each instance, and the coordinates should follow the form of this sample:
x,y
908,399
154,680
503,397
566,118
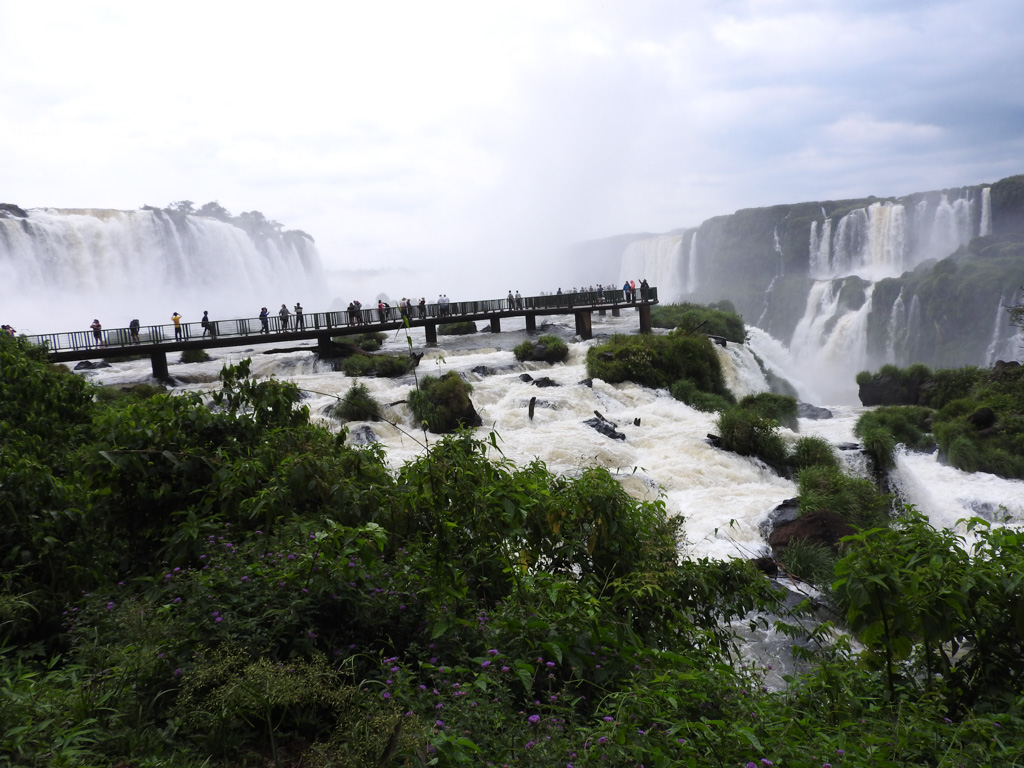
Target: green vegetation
x,y
688,392
715,319
854,499
368,342
459,328
185,586
779,408
195,356
442,404
383,365
746,432
976,417
658,362
357,405
811,451
882,429
549,349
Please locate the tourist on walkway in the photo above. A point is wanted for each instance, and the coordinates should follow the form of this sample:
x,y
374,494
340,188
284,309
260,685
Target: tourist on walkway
x,y
207,325
97,332
423,307
133,330
284,314
300,322
176,319
264,320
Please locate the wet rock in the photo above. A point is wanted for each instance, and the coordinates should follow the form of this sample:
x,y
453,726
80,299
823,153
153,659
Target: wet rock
x,y
525,377
545,381
88,365
983,418
808,411
587,383
847,446
606,428
766,565
783,514
482,370
362,436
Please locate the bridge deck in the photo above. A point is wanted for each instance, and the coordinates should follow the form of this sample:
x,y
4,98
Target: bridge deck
x,y
156,339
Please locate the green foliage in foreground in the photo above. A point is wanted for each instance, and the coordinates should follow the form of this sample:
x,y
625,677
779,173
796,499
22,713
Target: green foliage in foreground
x,y
658,362
697,318
190,587
854,499
549,349
883,428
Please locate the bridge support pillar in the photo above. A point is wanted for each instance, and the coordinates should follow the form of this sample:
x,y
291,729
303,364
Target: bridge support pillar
x,y
615,312
323,346
158,358
583,324
600,312
431,330
531,322
645,318
495,325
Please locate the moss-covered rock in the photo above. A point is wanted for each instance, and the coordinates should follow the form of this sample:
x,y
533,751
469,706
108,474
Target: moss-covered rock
x,y
443,404
698,318
547,349
658,361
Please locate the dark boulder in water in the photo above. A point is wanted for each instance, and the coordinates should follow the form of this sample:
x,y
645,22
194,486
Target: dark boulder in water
x,y
545,381
363,435
88,365
823,527
606,428
808,411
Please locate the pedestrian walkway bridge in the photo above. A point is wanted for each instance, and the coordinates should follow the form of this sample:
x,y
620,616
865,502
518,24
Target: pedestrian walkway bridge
x,y
157,340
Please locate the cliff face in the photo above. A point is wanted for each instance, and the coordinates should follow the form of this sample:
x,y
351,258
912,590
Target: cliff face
x,y
858,283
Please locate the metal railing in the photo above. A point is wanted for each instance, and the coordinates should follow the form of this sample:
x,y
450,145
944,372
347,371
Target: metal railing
x,y
368,318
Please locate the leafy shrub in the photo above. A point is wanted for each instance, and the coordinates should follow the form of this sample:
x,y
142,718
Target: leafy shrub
x,y
855,499
658,361
747,433
813,451
460,328
810,561
687,392
443,404
882,429
383,365
695,318
195,356
357,405
779,408
949,384
550,349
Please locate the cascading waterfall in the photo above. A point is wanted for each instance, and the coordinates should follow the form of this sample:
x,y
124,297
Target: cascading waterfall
x,y
896,331
691,271
64,267
985,227
658,259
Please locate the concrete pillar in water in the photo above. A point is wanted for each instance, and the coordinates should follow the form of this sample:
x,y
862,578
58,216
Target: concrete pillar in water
x,y
323,345
158,359
645,318
431,331
583,324
531,322
495,325
615,311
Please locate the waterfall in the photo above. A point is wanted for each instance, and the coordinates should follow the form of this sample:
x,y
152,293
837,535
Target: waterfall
x,y
691,272
830,341
658,259
985,226
64,267
896,329
820,250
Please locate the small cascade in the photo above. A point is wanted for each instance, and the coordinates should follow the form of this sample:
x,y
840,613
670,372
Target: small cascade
x,y
985,226
896,330
820,250
691,271
767,301
952,227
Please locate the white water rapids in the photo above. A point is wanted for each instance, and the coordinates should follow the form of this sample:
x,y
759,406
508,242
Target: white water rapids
x,y
723,497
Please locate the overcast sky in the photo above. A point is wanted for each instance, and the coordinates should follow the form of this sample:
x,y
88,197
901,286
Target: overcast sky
x,y
456,138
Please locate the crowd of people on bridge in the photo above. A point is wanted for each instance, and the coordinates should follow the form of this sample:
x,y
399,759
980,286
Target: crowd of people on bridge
x,y
294,319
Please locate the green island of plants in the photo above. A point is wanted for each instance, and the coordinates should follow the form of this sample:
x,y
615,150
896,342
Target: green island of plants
x,y
548,349
442,404
458,328
975,416
186,586
714,319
